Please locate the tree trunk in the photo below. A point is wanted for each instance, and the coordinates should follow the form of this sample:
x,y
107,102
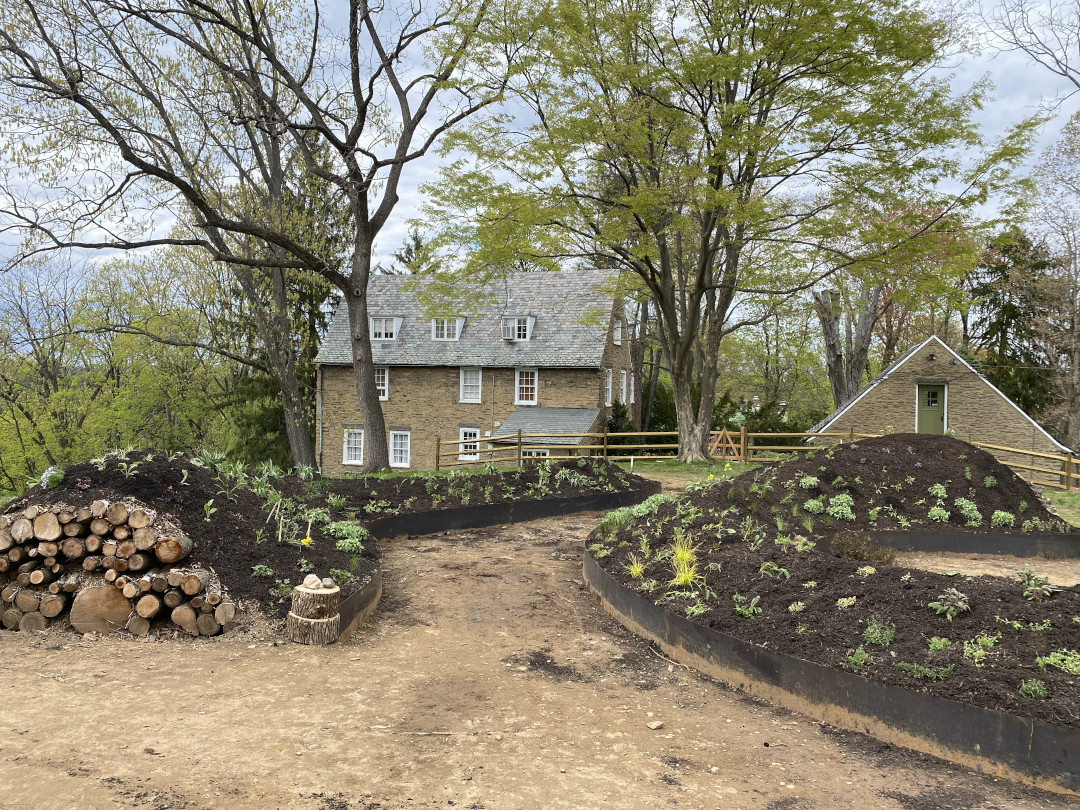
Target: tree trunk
x,y
376,452
846,356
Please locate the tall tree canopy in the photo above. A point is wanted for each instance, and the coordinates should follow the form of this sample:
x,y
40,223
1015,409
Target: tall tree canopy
x,y
190,111
1009,299
704,147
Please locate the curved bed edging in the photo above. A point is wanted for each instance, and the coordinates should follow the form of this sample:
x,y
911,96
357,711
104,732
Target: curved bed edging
x,y
1050,546
1009,747
355,608
492,514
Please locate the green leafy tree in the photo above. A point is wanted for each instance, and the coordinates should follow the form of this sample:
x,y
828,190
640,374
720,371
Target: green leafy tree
x,y
192,113
1009,298
700,147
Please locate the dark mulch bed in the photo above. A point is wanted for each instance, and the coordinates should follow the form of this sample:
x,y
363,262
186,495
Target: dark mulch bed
x,y
241,534
733,524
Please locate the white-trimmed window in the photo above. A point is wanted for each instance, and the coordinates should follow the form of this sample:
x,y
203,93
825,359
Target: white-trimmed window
x,y
607,387
399,448
525,386
353,446
517,328
446,328
469,449
622,387
385,328
525,453
382,382
471,390
616,332
630,401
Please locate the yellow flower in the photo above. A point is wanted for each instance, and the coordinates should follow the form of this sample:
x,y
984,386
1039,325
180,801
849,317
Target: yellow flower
x,y
306,541
711,476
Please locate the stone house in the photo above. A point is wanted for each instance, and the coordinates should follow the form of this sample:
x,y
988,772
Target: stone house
x,y
543,352
931,389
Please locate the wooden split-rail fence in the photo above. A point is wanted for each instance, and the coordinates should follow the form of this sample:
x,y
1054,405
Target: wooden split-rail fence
x,y
1052,470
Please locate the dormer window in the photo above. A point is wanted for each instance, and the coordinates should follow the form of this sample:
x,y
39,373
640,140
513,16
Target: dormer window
x,y
517,328
446,328
385,328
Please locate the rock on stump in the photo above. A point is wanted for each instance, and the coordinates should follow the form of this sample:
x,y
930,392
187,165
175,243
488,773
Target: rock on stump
x,y
314,617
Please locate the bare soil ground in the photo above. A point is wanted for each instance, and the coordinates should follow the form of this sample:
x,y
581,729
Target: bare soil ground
x,y
489,679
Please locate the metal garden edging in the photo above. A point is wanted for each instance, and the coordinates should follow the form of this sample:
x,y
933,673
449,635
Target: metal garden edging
x,y
1051,546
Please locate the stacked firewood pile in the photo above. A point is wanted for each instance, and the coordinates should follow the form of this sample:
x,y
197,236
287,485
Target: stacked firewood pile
x,y
109,566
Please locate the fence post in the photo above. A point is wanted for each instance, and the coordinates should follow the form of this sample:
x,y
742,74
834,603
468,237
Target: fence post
x,y
1068,471
438,449
519,447
851,433
605,441
742,445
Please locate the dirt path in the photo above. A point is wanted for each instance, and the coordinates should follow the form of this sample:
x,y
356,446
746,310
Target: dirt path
x,y
488,680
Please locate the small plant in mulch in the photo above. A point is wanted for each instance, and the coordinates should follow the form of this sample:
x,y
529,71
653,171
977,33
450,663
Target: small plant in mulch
x,y
950,604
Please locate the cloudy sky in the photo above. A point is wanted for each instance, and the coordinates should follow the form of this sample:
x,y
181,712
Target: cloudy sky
x,y
1021,89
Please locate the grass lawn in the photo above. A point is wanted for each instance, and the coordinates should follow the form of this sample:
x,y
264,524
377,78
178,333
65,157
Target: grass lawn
x,y
677,475
1066,504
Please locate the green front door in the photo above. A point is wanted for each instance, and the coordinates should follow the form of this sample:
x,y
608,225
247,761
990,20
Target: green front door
x,y
931,411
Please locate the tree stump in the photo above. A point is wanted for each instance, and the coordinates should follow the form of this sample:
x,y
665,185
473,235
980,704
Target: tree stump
x,y
314,617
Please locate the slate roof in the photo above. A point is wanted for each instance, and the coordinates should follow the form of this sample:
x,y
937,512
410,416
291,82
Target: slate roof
x,y
530,419
566,334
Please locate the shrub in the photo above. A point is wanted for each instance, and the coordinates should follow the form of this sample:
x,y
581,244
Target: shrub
x,y
1002,518
951,603
879,631
938,491
840,507
969,511
979,647
860,657
923,672
940,515
808,482
814,506
1033,688
938,643
747,609
1067,661
844,602
1036,588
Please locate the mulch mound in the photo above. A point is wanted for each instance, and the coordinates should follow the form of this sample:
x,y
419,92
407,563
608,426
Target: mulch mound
x,y
233,531
735,524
